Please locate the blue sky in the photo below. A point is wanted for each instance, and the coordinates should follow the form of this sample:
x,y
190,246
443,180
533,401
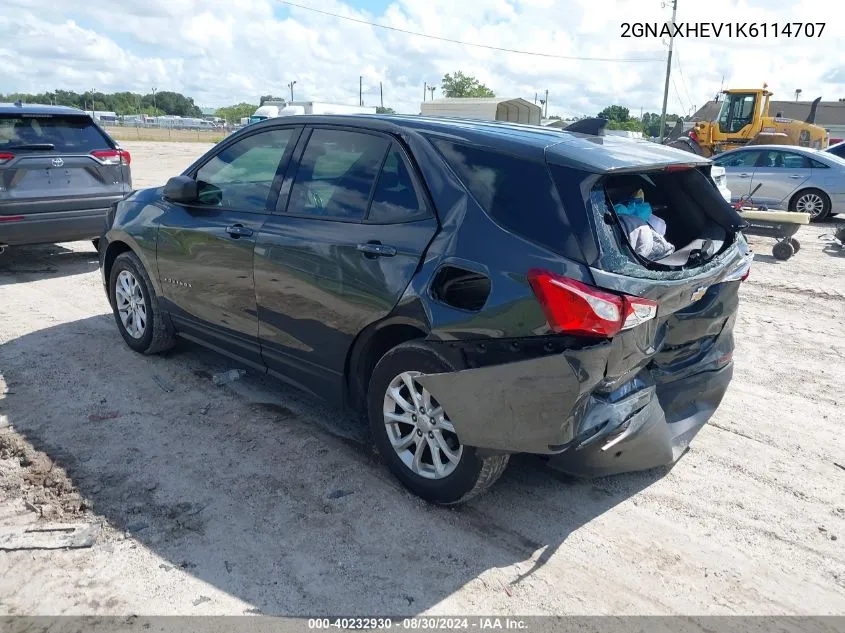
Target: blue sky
x,y
223,53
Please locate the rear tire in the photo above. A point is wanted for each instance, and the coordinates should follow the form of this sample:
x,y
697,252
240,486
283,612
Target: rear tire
x,y
813,201
783,251
135,305
462,472
796,245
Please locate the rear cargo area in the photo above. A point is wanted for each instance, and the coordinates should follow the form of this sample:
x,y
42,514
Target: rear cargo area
x,y
670,218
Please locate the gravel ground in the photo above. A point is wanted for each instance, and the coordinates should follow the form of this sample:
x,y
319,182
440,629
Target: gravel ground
x,y
251,498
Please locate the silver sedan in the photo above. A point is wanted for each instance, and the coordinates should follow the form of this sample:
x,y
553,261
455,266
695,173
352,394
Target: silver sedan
x,y
789,177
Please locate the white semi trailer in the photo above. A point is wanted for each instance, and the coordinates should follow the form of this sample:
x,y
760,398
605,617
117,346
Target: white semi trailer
x,y
273,109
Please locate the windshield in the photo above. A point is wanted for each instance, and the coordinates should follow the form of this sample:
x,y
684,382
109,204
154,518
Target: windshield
x,y
737,112
66,133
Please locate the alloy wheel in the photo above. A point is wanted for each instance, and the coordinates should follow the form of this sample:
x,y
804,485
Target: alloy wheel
x,y
419,429
811,203
131,308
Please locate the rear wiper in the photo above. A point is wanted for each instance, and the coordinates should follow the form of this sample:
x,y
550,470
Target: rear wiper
x,y
44,146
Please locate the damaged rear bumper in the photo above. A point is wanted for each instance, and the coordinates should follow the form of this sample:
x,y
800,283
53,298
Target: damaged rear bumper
x,y
655,434
553,405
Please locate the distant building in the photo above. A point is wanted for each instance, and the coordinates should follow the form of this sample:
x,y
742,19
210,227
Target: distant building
x,y
515,110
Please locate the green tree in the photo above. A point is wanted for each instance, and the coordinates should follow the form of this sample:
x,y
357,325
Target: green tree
x,y
651,123
460,85
384,110
172,103
632,125
234,113
615,113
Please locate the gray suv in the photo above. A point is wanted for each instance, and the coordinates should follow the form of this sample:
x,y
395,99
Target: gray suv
x,y
59,174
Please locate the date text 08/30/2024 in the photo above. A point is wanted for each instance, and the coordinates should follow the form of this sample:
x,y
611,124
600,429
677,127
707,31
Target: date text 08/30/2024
x,y
723,29
418,623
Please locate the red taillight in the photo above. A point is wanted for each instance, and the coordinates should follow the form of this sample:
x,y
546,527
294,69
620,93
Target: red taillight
x,y
11,218
693,135
576,308
745,276
112,156
677,167
5,157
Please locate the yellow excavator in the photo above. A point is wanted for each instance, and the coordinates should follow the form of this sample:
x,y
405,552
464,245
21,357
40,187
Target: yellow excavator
x,y
744,120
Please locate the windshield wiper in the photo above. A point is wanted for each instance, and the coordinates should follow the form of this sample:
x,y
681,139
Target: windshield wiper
x,y
44,146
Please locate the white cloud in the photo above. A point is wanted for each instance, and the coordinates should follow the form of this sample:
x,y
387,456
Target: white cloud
x,y
239,50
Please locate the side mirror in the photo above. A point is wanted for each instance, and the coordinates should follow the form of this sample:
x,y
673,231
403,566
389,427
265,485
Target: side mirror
x,y
181,189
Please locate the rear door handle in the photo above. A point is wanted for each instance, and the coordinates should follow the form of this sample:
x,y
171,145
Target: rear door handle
x,y
239,230
376,249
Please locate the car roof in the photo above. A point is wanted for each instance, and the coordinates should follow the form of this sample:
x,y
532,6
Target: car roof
x,y
591,153
809,151
37,108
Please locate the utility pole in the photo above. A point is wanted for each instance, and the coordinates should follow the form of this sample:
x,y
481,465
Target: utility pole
x,y
535,98
380,94
431,90
291,85
668,70
546,105
425,89
360,90
155,108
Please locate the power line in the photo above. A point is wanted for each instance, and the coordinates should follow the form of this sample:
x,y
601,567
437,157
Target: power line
x,y
678,94
683,79
492,48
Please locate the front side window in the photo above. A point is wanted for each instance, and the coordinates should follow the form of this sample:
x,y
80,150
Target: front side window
x,y
737,112
336,174
241,175
738,159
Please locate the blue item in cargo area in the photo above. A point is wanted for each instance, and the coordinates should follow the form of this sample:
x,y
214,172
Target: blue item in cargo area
x,y
635,207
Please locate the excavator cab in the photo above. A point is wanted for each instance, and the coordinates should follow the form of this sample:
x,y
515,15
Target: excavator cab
x,y
738,110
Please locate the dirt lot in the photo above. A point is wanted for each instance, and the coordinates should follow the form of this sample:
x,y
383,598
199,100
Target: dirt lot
x,y
250,498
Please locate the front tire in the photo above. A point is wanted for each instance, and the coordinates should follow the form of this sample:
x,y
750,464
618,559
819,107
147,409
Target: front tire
x,y
135,305
813,201
414,434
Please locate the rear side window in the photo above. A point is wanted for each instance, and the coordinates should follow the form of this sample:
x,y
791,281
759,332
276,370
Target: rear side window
x,y
395,199
775,159
336,174
67,134
516,192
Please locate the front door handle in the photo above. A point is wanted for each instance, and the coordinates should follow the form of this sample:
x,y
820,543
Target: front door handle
x,y
376,249
745,175
796,176
239,230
